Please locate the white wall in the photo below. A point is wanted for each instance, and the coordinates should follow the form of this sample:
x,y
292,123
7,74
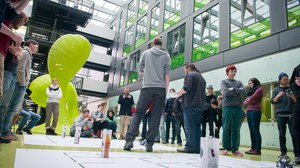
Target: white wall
x,y
99,58
98,31
94,85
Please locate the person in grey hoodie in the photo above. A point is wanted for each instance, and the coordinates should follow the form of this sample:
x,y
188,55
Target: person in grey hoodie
x,y
284,101
22,82
85,122
54,93
155,66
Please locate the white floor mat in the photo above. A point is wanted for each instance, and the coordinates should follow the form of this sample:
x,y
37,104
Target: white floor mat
x,y
85,142
36,158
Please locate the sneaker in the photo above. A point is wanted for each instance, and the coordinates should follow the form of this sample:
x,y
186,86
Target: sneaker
x,y
128,145
172,142
52,132
237,153
2,140
224,152
149,148
27,130
10,137
253,152
48,132
19,131
179,144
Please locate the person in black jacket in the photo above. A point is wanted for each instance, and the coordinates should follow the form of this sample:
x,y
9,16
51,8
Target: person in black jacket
x,y
170,117
179,118
216,116
126,101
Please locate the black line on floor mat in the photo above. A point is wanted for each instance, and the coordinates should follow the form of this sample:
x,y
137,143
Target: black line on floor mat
x,y
51,140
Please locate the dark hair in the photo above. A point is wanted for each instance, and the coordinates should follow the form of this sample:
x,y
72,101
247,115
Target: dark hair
x,y
113,114
157,41
172,90
19,19
85,111
30,41
100,105
214,101
192,67
256,85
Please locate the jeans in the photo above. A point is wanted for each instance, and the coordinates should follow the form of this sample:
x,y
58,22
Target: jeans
x,y
253,118
158,96
296,126
170,119
146,123
1,74
27,115
113,126
13,107
179,121
231,127
281,123
98,125
83,133
8,89
192,121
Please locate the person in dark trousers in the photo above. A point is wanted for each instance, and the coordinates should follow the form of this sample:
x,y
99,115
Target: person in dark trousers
x,y
284,101
126,101
232,91
85,122
155,66
193,94
207,113
146,121
179,119
217,116
253,103
170,117
295,87
99,118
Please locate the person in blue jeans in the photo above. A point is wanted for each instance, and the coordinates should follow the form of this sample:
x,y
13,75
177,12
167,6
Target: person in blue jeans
x,y
26,114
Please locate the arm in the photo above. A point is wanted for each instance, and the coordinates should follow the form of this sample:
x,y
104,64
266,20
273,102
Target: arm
x,y
5,30
120,99
257,95
188,83
21,67
167,82
167,70
276,95
131,100
142,65
21,6
79,122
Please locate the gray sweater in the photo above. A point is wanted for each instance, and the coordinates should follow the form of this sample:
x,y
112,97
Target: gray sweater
x,y
155,63
24,67
79,121
232,97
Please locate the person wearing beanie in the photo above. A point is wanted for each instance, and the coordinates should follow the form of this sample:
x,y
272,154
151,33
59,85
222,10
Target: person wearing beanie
x,y
232,91
54,93
253,103
295,87
284,100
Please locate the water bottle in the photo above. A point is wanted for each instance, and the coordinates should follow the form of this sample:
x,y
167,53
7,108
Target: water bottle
x,y
64,131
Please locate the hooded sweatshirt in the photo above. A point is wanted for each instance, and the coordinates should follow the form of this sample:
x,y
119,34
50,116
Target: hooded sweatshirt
x,y
155,63
294,87
54,93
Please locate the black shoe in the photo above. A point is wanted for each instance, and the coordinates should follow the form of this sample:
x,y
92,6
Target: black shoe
x,y
52,132
27,130
157,141
4,140
184,150
128,145
179,144
19,131
149,148
48,132
172,142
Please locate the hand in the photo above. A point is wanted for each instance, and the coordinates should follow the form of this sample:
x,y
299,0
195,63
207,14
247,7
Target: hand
x,y
16,38
98,119
173,114
281,94
129,96
165,113
230,88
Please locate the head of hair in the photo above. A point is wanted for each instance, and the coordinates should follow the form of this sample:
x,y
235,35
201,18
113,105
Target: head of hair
x,y
20,20
157,41
110,111
30,41
100,105
172,89
85,111
255,82
230,67
281,75
192,67
214,101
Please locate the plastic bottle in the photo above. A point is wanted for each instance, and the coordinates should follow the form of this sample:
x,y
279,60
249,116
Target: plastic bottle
x,y
64,131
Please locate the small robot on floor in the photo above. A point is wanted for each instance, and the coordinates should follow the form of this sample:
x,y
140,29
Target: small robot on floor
x,y
284,162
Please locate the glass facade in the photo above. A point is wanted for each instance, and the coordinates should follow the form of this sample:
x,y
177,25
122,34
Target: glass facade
x,y
134,65
131,13
128,41
113,25
121,22
172,13
140,36
206,34
200,4
114,76
250,21
143,7
176,45
293,9
123,72
154,22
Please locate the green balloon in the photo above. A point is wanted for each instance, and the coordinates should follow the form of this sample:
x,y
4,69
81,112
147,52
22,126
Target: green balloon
x,y
67,55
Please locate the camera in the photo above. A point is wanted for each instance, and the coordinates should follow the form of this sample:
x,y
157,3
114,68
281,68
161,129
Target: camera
x,y
288,91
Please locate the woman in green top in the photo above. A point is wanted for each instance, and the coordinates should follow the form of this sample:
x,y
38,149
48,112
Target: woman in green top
x,y
112,120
